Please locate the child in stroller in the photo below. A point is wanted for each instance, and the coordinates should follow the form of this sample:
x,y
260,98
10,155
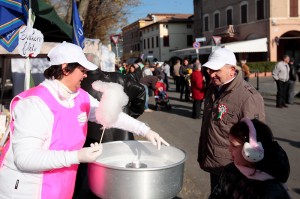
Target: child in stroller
x,y
161,96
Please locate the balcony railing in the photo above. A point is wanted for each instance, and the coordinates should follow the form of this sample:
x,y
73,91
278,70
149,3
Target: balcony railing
x,y
229,31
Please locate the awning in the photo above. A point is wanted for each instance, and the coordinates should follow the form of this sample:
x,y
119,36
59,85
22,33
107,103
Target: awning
x,y
49,23
249,46
205,50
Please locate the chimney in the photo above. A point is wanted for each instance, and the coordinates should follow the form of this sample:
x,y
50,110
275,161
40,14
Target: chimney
x,y
153,18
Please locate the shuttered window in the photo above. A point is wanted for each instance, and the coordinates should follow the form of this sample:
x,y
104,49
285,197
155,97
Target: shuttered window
x,y
294,8
229,17
244,13
260,9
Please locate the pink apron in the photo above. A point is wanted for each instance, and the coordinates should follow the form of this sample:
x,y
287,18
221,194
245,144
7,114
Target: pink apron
x,y
68,134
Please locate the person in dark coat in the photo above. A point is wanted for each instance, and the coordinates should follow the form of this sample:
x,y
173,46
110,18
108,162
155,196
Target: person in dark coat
x,y
149,82
227,100
183,71
132,74
290,94
198,90
260,166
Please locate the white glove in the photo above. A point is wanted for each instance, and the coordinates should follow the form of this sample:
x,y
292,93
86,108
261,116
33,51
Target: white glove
x,y
156,139
89,154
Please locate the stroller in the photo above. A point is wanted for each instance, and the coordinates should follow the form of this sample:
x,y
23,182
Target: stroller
x,y
161,97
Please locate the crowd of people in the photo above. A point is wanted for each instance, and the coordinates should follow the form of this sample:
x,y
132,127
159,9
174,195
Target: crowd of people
x,y
192,80
148,75
189,77
236,147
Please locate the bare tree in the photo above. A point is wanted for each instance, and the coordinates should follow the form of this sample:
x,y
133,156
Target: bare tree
x,y
105,17
100,18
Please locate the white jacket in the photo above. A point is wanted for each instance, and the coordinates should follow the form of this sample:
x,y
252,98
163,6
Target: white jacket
x,y
281,71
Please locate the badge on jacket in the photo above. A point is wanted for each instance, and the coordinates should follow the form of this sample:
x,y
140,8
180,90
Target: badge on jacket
x,y
222,110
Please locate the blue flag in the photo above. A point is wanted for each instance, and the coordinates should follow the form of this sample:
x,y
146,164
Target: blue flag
x,y
13,14
78,37
10,40
15,5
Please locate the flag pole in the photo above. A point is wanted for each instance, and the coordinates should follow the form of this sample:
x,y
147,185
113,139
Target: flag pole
x,y
27,61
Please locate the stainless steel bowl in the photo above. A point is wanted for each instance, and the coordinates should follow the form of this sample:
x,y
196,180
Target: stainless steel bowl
x,y
137,170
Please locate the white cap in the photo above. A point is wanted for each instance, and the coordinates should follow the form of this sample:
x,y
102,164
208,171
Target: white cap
x,y
219,58
65,53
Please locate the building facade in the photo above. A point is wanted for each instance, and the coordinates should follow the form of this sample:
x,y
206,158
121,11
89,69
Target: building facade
x,y
235,20
155,36
131,38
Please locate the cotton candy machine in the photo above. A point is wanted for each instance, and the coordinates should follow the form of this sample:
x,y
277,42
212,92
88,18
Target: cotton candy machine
x,y
137,170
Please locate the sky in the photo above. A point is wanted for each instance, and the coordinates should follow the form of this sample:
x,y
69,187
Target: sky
x,y
160,6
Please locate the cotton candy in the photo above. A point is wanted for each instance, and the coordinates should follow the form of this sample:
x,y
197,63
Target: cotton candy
x,y
111,104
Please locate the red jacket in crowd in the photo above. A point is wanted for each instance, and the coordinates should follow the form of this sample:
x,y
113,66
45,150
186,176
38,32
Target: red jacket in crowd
x,y
197,85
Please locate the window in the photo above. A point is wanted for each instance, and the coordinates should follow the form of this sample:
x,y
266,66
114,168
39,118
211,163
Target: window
x,y
229,17
148,43
189,39
188,26
157,41
294,8
152,42
166,41
205,23
244,13
260,9
165,25
217,20
144,43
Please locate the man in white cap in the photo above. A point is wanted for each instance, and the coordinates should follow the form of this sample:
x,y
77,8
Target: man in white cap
x,y
228,99
48,130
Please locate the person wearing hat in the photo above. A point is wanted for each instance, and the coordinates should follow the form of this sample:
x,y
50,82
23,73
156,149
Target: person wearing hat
x,y
48,129
228,99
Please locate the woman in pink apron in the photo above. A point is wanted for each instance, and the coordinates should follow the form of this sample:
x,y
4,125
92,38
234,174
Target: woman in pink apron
x,y
48,128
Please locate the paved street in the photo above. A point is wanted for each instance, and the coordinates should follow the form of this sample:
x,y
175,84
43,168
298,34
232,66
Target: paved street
x,y
181,131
